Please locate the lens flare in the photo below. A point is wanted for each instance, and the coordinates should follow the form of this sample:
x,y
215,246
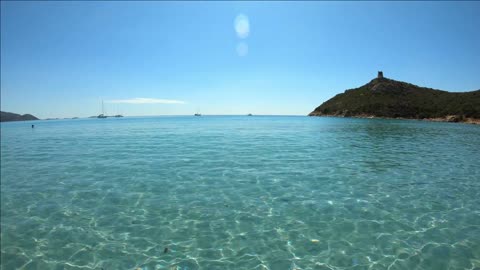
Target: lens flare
x,y
242,49
242,26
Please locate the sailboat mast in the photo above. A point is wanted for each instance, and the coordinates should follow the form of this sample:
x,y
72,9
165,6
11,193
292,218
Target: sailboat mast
x,y
103,112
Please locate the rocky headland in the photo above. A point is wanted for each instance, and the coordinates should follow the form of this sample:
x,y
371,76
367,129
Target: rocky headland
x,y
387,98
8,116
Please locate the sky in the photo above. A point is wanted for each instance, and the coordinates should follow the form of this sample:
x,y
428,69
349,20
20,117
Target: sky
x,y
62,59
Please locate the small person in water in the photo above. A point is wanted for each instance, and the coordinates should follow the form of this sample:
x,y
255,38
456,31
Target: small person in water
x,y
33,126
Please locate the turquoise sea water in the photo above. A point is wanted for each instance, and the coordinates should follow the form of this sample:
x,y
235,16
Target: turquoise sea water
x,y
240,193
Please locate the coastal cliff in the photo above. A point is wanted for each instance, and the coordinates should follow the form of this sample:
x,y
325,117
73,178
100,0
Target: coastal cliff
x,y
387,98
7,116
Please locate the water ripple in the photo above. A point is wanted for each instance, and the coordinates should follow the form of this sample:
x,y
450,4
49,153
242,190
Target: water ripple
x,y
240,193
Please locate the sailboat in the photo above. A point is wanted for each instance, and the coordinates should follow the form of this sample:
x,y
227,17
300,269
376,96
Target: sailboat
x,y
118,115
103,113
198,113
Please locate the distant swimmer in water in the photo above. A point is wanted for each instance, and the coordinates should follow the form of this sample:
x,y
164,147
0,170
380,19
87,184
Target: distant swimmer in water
x,y
33,126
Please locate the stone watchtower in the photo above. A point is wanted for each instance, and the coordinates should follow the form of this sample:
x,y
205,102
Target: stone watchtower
x,y
380,75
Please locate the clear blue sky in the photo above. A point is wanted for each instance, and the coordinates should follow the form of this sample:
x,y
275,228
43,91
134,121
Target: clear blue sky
x,y
61,59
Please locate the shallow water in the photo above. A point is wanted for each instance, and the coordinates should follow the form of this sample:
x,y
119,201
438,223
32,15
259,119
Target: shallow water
x,y
240,193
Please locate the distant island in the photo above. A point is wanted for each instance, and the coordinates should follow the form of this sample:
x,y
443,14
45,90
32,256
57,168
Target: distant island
x,y
8,116
105,116
387,98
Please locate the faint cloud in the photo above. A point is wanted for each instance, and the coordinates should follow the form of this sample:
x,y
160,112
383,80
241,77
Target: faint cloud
x,y
242,26
242,49
146,101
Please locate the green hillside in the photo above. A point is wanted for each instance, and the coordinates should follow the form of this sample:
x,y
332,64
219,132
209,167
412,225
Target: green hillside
x,y
7,116
384,97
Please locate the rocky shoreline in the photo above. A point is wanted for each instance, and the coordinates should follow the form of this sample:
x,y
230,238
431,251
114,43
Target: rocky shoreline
x,y
448,118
